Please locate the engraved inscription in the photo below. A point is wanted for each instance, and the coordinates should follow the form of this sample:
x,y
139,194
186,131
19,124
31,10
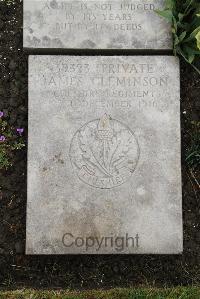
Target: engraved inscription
x,y
95,24
104,153
121,85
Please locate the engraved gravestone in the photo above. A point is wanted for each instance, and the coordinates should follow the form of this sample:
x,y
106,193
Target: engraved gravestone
x,y
104,155
97,164
93,24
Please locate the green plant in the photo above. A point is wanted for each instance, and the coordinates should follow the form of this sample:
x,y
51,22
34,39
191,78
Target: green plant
x,y
10,141
184,16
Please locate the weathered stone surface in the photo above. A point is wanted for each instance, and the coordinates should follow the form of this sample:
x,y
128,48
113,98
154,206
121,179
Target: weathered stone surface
x,y
89,24
104,155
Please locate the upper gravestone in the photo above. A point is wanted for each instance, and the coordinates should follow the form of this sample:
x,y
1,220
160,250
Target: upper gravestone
x,y
104,172
88,24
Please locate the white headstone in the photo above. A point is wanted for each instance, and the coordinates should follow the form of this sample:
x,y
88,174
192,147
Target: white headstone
x,y
91,24
104,172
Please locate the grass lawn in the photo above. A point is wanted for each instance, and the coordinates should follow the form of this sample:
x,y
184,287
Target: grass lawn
x,y
139,293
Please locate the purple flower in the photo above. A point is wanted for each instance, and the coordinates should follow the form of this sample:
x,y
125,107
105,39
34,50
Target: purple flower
x,y
20,131
2,138
1,114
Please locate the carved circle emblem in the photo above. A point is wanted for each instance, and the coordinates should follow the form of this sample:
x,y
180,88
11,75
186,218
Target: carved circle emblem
x,y
104,153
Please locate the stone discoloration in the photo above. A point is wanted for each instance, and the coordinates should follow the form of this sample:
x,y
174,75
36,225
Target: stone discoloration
x,y
132,106
92,24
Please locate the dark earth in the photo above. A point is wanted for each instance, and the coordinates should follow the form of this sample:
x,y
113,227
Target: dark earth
x,y
17,269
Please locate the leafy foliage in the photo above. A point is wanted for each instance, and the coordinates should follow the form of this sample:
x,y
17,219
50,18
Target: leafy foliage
x,y
10,142
185,18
